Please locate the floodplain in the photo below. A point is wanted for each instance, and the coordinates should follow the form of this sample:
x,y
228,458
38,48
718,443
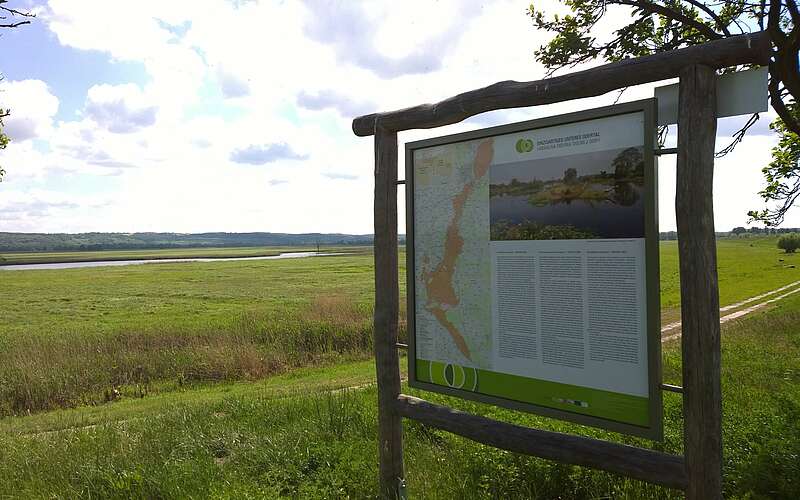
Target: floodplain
x,y
254,379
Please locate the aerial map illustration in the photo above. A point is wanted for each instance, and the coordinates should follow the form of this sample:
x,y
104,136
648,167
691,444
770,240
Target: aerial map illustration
x,y
460,260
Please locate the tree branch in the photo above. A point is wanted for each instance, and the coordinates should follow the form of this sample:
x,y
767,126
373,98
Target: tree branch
x,y
784,65
15,12
778,104
792,8
774,23
737,137
671,14
14,25
713,15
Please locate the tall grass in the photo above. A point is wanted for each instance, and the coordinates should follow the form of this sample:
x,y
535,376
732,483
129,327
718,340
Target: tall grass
x,y
77,367
228,443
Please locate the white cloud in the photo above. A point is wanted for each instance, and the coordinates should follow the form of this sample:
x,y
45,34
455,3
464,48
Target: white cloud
x,y
37,210
231,84
337,176
120,109
32,108
380,40
138,32
101,25
277,84
330,99
265,153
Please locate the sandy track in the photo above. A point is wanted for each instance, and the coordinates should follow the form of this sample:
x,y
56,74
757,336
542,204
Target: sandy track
x,y
675,327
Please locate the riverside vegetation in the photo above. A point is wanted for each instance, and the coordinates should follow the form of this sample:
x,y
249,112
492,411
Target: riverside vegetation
x,y
83,336
789,242
14,258
183,344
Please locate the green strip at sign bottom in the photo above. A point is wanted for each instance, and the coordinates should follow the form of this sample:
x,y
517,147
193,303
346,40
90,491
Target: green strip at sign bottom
x,y
608,405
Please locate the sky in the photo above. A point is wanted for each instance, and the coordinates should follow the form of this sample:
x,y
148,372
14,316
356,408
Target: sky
x,y
213,115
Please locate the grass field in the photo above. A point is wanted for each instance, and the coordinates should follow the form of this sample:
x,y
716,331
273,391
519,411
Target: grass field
x,y
746,267
193,350
170,253
287,437
75,336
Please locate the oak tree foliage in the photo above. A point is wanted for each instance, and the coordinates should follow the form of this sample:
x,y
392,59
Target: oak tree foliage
x,y
652,26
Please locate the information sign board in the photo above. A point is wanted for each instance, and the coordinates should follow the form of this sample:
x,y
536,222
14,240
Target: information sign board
x,y
533,267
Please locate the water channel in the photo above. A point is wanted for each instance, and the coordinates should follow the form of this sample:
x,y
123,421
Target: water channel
x,y
101,263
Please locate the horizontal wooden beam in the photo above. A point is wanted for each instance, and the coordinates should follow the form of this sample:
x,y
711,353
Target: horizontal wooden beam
x,y
751,48
638,463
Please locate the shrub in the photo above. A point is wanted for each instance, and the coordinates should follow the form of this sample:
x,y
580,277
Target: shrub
x,y
789,243
529,230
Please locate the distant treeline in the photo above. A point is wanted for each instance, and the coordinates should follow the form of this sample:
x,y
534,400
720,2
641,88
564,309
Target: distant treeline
x,y
740,232
42,242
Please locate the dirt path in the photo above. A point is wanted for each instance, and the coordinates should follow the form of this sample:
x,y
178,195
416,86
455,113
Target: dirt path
x,y
673,330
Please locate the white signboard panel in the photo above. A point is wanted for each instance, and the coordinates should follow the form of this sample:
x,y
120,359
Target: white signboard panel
x,y
739,93
533,267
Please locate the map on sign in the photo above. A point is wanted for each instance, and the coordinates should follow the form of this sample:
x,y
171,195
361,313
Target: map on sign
x,y
528,271
451,184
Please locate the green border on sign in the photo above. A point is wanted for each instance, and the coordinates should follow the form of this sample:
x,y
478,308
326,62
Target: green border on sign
x,y
624,413
625,408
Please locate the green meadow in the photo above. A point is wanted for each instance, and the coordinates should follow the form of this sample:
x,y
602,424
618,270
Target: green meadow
x,y
746,268
75,336
252,379
10,258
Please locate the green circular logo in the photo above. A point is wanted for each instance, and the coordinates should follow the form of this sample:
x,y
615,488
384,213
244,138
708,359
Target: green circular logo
x,y
524,146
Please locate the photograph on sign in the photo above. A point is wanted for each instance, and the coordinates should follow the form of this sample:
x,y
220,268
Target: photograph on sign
x,y
533,267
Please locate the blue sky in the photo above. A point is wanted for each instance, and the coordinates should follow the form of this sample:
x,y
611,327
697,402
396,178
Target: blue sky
x,y
211,115
70,72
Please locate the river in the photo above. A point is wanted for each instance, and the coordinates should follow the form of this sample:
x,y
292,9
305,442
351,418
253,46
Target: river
x,y
102,263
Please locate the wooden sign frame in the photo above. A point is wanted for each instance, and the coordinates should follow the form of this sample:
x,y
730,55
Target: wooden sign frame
x,y
699,471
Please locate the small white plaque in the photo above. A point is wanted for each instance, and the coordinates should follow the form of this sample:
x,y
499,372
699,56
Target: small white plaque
x,y
739,93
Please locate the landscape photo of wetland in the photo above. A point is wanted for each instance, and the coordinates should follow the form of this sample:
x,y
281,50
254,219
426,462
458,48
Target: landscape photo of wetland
x,y
585,196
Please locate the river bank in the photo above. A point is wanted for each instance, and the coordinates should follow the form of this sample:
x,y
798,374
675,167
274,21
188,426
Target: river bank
x,y
208,253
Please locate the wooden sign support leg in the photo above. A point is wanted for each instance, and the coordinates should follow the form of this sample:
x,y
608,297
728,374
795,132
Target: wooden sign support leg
x,y
702,399
387,296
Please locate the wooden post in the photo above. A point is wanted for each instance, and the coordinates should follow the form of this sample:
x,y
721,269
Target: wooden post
x,y
694,210
697,251
387,297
